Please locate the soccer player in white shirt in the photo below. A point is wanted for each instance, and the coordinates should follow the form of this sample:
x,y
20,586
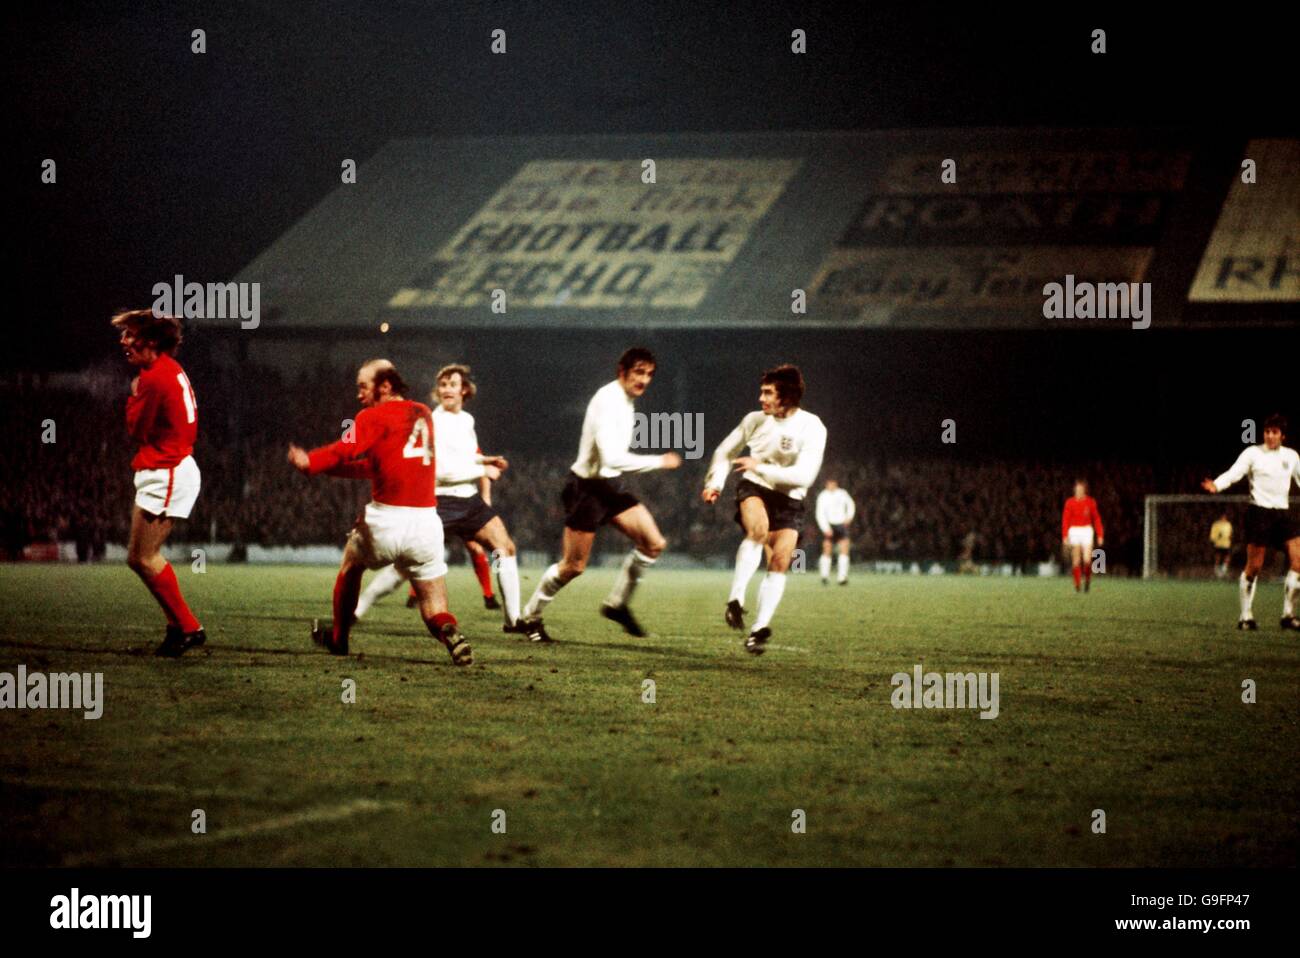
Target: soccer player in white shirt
x,y
462,474
835,510
1271,468
593,497
786,445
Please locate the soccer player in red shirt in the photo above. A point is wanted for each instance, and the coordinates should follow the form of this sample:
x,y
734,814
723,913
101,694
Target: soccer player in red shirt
x,y
162,417
391,443
1078,520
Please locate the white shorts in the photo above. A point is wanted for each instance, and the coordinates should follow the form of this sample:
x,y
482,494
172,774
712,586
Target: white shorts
x,y
1080,536
168,492
405,536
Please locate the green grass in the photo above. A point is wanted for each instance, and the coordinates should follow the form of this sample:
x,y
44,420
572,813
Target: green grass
x,y
1127,700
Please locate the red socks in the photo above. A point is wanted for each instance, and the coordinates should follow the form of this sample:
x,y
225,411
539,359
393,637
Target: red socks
x,y
484,572
167,591
1078,573
345,605
441,620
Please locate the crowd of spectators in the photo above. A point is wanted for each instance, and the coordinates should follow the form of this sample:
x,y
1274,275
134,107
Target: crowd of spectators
x,y
67,477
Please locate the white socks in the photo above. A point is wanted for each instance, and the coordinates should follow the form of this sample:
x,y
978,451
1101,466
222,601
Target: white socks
x,y
1290,592
770,591
748,557
508,580
546,590
625,584
824,566
1247,589
844,568
385,581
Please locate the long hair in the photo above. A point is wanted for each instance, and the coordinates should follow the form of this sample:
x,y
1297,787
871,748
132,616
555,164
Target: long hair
x,y
163,332
469,389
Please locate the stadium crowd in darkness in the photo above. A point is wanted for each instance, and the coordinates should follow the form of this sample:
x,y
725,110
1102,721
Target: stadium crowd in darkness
x,y
78,488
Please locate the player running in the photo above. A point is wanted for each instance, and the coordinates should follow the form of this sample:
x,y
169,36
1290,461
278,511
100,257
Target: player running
x,y
786,445
1271,468
391,443
1079,519
835,510
463,474
162,417
592,497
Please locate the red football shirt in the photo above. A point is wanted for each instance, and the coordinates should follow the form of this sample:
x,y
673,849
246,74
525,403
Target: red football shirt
x,y
162,416
396,437
1081,512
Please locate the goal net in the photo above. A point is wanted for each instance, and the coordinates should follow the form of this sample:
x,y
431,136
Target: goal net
x,y
1176,534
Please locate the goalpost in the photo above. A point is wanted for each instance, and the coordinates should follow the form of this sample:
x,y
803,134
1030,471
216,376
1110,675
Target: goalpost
x,y
1186,536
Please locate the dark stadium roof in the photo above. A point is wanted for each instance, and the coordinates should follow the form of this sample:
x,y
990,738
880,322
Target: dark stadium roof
x,y
861,221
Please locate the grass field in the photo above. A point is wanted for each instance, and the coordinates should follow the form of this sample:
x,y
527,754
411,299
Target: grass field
x,y
1127,699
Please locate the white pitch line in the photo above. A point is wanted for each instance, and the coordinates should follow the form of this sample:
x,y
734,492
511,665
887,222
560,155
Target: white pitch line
x,y
311,816
154,787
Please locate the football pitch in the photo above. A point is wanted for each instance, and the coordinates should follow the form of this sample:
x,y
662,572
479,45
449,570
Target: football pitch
x,y
1128,700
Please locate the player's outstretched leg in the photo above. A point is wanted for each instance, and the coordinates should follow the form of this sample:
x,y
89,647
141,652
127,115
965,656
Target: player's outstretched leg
x,y
1255,556
749,555
577,548
440,622
333,636
648,544
386,580
493,536
145,558
772,588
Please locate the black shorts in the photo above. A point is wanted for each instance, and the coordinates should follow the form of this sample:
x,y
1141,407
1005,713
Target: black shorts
x,y
590,503
1270,527
1221,552
464,516
839,532
782,511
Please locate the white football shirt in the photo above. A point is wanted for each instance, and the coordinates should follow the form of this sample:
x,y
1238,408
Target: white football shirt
x,y
1271,473
456,458
789,452
834,508
606,435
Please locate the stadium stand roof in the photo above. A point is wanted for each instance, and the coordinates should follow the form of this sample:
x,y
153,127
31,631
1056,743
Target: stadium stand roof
x,y
873,227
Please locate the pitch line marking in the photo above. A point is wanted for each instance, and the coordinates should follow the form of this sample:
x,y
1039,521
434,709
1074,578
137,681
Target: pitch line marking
x,y
311,816
156,787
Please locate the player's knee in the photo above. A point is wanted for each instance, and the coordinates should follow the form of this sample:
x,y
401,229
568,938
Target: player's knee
x,y
757,533
139,562
654,547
